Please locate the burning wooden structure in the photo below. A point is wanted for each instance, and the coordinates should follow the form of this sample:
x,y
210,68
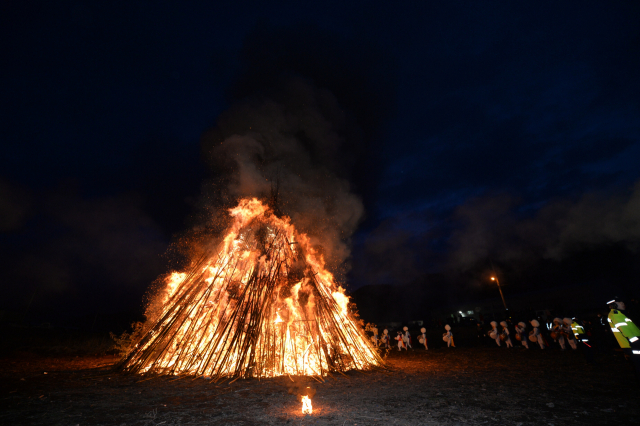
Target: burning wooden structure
x,y
261,305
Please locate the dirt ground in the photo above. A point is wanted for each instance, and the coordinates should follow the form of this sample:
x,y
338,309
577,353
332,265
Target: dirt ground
x,y
457,386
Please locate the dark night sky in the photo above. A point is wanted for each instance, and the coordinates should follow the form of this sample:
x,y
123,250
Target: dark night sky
x,y
472,133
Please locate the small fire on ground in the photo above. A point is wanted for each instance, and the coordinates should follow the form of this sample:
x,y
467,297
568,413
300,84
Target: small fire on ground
x,y
306,405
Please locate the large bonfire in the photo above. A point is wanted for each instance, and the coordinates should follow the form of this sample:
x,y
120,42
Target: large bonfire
x,y
261,304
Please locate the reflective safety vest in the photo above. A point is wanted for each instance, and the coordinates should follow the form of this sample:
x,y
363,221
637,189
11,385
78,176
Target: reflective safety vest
x,y
578,330
623,328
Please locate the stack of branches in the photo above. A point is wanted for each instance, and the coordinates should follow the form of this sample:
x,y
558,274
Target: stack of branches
x,y
258,311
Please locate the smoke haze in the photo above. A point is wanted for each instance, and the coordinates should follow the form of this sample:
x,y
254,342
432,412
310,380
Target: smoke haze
x,y
594,236
299,131
493,228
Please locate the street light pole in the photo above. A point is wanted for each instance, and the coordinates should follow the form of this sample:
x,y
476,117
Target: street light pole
x,y
501,295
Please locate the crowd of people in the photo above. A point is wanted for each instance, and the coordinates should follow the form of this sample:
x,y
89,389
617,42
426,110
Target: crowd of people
x,y
562,333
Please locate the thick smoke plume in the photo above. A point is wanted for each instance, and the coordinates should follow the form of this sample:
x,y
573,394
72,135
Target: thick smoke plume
x,y
290,148
296,132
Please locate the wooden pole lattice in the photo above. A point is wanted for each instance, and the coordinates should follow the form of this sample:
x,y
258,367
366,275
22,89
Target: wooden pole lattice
x,y
256,308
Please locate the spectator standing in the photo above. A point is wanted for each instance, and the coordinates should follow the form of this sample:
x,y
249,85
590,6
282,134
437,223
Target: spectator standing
x,y
505,334
422,339
521,334
406,338
536,335
568,333
626,332
448,336
494,333
557,332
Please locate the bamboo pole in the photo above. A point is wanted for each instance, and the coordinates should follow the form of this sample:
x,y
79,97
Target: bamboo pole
x,y
240,338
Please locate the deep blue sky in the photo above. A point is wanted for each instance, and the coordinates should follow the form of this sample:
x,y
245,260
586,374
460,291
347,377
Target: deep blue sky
x,y
508,132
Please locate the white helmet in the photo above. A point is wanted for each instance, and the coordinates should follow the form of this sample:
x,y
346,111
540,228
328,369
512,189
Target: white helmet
x,y
617,304
535,323
447,327
494,324
405,328
503,323
558,320
423,330
567,321
521,324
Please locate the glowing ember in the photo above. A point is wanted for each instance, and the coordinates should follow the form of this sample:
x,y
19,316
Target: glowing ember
x,y
306,405
261,304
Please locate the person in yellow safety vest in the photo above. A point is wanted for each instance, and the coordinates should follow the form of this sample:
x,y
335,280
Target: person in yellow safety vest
x,y
626,332
578,330
582,337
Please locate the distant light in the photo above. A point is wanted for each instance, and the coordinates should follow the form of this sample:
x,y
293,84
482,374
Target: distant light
x,y
493,278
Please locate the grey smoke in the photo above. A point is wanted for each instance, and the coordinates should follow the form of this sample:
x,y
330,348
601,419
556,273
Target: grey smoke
x,y
75,243
492,227
291,140
388,255
308,110
497,228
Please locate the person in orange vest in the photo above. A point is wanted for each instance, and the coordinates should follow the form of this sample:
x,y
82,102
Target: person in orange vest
x,y
625,331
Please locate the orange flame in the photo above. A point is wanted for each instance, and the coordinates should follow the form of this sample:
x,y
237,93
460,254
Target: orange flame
x,y
306,405
261,305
